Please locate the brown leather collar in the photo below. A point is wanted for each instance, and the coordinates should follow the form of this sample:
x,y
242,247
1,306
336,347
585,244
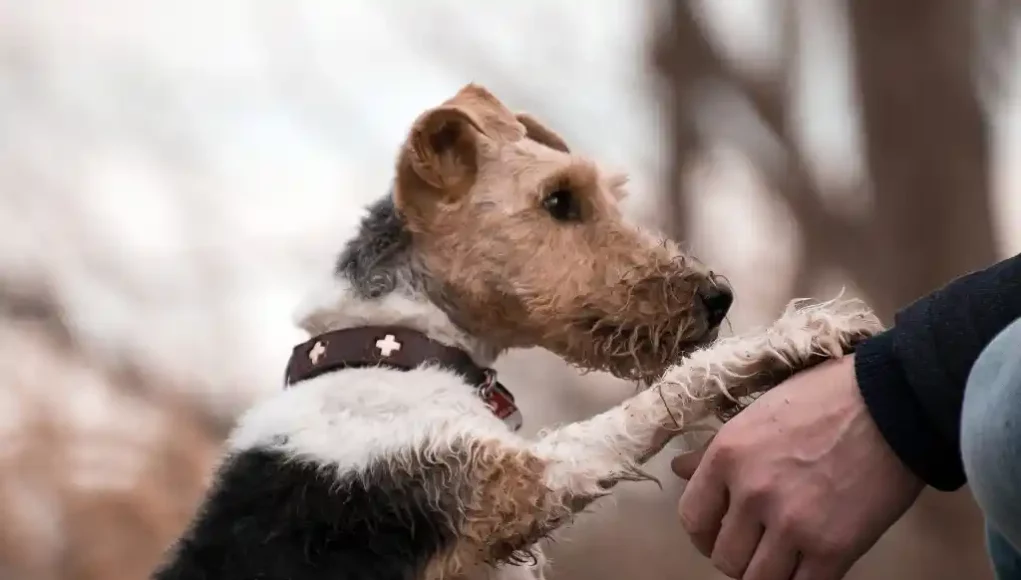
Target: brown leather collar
x,y
399,348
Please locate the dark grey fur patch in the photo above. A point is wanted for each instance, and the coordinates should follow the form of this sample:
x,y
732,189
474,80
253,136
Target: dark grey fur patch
x,y
378,259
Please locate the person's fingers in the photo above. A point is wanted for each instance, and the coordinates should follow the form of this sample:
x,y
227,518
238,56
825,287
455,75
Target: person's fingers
x,y
775,559
736,543
702,507
685,464
818,569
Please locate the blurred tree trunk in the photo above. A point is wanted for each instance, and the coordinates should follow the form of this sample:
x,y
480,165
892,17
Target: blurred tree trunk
x,y
927,146
682,55
927,152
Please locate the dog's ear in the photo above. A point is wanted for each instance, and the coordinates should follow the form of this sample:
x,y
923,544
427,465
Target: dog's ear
x,y
443,154
442,149
540,133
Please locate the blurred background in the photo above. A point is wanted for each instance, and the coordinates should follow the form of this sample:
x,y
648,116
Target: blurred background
x,y
175,174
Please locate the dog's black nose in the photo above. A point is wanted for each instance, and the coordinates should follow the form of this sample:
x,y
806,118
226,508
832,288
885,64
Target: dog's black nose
x,y
717,300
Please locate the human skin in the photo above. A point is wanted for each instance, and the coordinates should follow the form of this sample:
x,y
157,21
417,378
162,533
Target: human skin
x,y
798,485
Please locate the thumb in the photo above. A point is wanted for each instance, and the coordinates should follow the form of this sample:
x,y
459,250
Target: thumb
x,y
685,464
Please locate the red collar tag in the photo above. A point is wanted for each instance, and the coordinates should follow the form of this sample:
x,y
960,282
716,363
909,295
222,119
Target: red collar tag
x,y
501,402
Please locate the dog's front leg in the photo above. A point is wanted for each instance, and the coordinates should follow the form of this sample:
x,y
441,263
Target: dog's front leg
x,y
518,495
589,457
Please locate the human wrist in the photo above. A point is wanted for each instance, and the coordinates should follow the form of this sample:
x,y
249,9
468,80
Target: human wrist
x,y
897,414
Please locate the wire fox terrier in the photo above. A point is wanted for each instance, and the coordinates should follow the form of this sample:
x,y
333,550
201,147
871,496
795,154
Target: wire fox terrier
x,y
394,453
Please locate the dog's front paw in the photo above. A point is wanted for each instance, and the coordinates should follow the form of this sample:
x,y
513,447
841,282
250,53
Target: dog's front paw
x,y
804,336
827,329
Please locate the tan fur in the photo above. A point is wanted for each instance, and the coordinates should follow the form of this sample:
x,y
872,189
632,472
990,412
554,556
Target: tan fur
x,y
540,133
600,293
504,506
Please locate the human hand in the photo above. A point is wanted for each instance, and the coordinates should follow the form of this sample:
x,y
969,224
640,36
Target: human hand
x,y
797,486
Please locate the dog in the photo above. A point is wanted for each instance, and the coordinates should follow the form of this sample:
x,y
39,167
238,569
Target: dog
x,y
393,453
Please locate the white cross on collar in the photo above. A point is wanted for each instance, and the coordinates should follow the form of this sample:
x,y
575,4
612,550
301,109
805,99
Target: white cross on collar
x,y
388,345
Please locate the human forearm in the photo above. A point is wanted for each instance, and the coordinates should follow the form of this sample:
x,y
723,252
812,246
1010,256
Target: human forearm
x,y
912,377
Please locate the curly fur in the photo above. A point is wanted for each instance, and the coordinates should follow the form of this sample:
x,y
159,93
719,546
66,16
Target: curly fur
x,y
637,343
374,473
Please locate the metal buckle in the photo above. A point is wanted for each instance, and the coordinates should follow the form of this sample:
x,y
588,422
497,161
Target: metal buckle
x,y
487,386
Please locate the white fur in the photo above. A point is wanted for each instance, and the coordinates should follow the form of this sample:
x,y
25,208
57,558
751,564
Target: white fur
x,y
354,417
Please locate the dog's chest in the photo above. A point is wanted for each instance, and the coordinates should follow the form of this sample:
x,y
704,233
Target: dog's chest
x,y
355,417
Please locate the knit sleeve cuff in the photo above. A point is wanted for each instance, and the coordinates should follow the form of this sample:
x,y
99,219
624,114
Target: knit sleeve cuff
x,y
893,407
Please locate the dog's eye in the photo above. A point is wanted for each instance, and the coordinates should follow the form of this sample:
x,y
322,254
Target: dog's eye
x,y
562,205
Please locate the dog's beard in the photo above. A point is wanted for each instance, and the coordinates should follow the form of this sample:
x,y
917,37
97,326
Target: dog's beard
x,y
637,350
640,333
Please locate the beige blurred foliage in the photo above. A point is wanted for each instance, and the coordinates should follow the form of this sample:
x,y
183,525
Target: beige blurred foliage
x,y
174,174
98,471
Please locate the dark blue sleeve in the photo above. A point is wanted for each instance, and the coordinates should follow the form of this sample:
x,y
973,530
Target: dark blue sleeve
x,y
912,376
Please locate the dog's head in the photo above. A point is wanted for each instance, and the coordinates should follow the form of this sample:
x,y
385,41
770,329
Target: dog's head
x,y
524,244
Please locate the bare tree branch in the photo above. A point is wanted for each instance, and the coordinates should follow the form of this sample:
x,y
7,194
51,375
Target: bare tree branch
x,y
685,55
